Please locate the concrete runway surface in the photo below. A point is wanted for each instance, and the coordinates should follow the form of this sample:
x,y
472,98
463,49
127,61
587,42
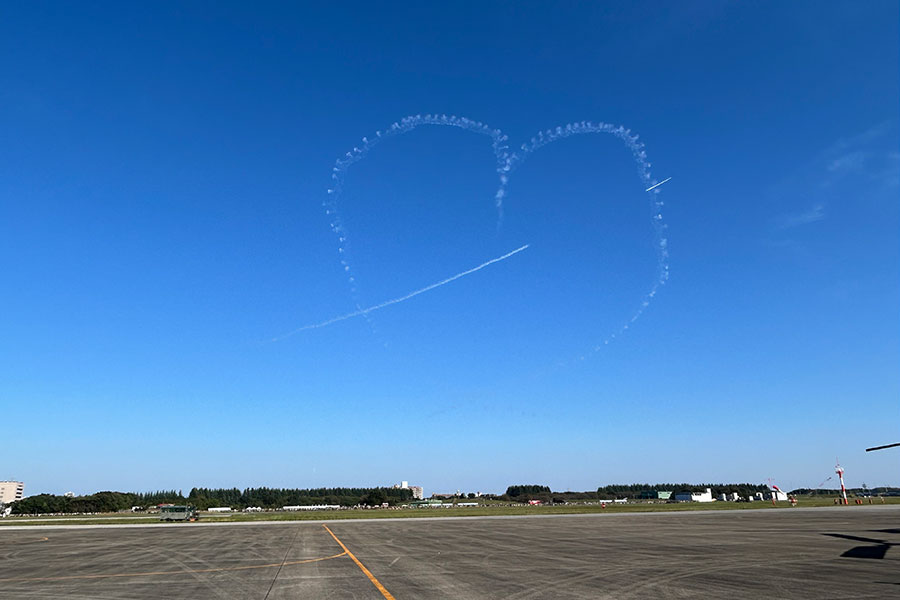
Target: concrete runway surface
x,y
840,552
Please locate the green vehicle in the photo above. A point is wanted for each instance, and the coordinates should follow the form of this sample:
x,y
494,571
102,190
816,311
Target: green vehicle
x,y
177,513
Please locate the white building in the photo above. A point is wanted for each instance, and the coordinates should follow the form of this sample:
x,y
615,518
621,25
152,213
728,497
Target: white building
x,y
777,495
417,492
695,496
219,509
10,491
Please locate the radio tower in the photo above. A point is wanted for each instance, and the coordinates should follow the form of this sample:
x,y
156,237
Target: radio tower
x,y
840,473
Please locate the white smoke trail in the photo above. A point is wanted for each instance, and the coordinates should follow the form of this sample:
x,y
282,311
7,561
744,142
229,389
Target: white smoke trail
x,y
386,303
640,156
506,162
405,125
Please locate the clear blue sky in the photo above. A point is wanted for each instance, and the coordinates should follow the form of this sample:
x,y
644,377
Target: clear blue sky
x,y
162,176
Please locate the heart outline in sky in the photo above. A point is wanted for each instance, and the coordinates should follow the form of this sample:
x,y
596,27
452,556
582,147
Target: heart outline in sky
x,y
507,161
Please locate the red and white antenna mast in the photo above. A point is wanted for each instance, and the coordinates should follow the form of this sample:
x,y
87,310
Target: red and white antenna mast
x,y
840,473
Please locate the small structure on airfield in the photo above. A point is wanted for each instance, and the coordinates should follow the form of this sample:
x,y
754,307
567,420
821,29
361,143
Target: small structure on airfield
x,y
705,496
173,512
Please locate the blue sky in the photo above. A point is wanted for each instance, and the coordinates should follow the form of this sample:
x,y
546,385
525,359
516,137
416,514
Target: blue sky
x,y
162,181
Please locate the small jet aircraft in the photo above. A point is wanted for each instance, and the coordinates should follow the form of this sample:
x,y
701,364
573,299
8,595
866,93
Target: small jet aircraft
x,y
883,447
656,185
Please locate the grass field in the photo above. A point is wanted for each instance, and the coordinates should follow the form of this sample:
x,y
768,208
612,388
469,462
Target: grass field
x,y
473,511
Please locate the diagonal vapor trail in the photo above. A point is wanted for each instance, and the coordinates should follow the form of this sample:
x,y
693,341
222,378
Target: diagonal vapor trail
x,y
656,185
365,311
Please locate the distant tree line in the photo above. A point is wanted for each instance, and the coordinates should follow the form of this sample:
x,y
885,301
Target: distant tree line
x,y
516,491
94,503
204,498
278,497
523,493
635,490
264,497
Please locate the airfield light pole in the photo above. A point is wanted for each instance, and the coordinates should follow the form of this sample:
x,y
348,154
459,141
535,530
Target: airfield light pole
x,y
840,473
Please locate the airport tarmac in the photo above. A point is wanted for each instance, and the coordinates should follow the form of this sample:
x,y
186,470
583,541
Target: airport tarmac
x,y
841,552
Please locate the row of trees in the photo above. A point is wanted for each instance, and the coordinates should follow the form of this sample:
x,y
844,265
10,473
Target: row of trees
x,y
204,498
278,497
518,491
95,503
522,493
635,490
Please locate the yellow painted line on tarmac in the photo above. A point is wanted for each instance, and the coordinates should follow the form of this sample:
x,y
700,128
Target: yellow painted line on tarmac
x,y
362,567
182,572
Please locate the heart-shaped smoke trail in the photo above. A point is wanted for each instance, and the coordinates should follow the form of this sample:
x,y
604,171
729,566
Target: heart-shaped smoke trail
x,y
640,156
507,161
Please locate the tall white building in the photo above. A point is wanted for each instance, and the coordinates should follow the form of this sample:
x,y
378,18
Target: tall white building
x,y
417,492
10,491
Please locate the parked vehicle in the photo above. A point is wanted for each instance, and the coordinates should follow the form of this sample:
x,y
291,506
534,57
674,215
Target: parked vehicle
x,y
177,513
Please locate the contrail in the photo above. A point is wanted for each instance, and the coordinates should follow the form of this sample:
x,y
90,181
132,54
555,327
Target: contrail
x,y
657,184
365,311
